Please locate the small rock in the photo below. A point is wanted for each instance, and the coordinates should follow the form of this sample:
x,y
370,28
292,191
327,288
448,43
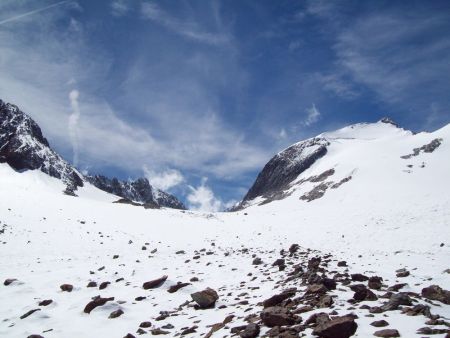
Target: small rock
x,y
379,323
97,301
9,281
116,314
387,333
66,287
29,313
104,285
176,287
154,283
45,302
257,261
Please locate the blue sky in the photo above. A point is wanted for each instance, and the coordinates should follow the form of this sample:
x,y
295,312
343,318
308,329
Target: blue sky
x,y
199,95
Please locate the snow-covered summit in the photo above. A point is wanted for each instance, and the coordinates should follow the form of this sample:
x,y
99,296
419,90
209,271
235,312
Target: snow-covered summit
x,y
375,150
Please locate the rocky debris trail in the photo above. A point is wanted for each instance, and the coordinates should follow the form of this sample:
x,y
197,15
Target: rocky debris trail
x,y
295,292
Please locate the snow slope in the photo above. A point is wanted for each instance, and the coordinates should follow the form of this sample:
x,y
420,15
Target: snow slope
x,y
386,217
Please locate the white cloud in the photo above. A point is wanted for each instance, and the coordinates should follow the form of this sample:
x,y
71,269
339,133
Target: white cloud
x,y
164,180
402,62
73,124
186,28
42,62
202,198
120,7
313,115
336,84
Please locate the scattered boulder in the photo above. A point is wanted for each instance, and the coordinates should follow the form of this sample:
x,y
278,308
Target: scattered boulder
x,y
206,298
396,300
277,316
357,277
379,323
104,285
339,327
375,282
401,273
155,283
435,292
97,301
9,281
116,314
66,287
250,331
45,302
29,313
387,333
176,287
257,261
277,299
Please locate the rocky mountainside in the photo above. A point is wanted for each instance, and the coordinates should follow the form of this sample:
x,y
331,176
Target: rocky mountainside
x,y
139,190
23,147
293,168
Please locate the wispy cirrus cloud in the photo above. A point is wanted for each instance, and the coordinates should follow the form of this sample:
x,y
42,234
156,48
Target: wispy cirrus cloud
x,y
187,28
32,12
120,7
313,115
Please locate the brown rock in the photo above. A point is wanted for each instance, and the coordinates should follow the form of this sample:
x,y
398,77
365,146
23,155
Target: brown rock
x,y
176,287
116,314
435,292
154,283
66,287
339,327
387,333
250,331
277,316
379,323
45,302
97,301
206,298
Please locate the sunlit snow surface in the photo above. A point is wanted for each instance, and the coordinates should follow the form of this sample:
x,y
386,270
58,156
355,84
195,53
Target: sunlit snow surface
x,y
388,216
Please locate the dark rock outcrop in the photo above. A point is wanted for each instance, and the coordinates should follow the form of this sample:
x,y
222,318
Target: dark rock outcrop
x,y
139,190
285,167
23,147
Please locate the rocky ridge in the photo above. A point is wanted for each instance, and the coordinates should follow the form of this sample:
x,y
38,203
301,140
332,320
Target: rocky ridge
x,y
24,147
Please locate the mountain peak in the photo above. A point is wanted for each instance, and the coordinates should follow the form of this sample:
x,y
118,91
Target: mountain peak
x,y
23,147
388,121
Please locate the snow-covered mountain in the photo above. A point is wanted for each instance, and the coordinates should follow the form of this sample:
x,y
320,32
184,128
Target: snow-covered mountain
x,y
311,168
23,147
139,190
353,241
